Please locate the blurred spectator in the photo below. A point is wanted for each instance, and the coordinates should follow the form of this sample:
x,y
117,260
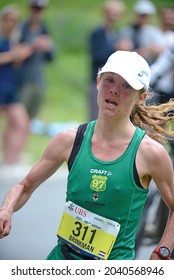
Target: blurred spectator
x,y
163,68
102,43
162,82
167,20
31,75
141,36
16,122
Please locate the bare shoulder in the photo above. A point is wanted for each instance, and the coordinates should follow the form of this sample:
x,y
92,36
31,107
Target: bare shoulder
x,y
152,149
157,163
61,144
155,156
153,162
66,137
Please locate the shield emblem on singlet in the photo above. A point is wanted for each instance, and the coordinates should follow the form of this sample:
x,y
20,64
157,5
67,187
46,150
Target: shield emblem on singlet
x,y
98,183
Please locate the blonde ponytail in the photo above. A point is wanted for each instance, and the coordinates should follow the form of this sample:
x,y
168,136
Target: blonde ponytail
x,y
155,120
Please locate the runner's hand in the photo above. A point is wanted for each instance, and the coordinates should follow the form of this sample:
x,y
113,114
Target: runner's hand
x,y
5,222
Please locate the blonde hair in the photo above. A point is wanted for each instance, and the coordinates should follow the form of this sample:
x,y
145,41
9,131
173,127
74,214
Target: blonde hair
x,y
155,119
10,9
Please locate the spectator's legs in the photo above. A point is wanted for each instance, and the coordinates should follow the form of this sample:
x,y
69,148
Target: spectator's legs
x,y
15,134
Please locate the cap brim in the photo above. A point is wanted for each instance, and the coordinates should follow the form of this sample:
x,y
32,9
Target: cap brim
x,y
133,82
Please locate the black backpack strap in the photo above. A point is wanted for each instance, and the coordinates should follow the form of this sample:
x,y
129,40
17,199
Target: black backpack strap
x,y
77,144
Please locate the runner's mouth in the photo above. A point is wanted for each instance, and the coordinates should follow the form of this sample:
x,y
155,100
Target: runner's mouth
x,y
111,103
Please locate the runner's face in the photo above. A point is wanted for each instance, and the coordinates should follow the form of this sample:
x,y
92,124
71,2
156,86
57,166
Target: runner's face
x,y
116,98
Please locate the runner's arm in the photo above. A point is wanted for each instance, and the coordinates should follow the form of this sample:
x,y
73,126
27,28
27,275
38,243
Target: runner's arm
x,y
163,176
55,154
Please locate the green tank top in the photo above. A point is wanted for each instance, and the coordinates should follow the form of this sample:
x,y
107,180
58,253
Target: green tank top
x,y
109,190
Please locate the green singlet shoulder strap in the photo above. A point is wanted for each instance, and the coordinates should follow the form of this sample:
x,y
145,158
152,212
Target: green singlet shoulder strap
x,y
77,144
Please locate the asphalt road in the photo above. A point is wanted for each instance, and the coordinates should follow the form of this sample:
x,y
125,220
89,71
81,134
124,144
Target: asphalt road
x,y
33,233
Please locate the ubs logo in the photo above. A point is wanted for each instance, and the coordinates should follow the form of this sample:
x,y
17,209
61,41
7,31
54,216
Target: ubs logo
x,y
80,211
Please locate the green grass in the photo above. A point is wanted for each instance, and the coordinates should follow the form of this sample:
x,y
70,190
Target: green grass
x,y
66,89
66,98
70,23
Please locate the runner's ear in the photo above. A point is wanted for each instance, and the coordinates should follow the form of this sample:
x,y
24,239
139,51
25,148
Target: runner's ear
x,y
142,97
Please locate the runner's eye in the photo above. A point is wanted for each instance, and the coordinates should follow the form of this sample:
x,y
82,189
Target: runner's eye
x,y
126,85
110,80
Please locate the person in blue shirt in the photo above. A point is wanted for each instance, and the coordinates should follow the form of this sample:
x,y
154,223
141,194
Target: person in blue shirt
x,y
31,75
11,56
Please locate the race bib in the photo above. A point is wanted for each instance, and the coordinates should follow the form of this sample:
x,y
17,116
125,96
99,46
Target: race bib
x,y
86,232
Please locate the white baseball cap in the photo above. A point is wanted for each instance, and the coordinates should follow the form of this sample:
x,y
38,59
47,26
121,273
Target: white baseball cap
x,y
130,66
38,3
144,7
